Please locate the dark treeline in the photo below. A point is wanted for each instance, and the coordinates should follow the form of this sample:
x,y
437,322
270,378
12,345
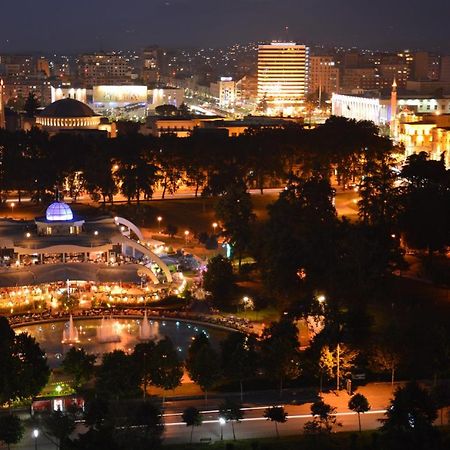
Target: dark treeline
x,y
33,163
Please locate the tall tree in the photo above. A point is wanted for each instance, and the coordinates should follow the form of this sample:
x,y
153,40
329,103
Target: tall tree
x,y
145,363
426,216
31,105
409,419
79,364
239,358
359,404
324,418
117,376
281,352
203,363
11,429
167,370
219,280
276,414
234,211
60,426
232,412
192,418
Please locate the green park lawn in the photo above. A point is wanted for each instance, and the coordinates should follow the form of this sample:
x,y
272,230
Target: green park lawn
x,y
366,440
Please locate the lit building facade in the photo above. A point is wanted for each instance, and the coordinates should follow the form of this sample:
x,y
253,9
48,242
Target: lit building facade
x,y
224,91
2,107
283,76
361,108
323,75
104,68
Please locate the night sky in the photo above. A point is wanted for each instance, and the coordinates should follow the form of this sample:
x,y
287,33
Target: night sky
x,y
87,25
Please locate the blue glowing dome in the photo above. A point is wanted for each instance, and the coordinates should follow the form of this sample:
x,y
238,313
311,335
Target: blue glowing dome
x,y
59,212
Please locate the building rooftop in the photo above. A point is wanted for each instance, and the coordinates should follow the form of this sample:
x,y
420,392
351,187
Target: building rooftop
x,y
67,107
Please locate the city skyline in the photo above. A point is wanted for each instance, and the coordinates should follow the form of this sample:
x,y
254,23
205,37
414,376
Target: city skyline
x,y
183,23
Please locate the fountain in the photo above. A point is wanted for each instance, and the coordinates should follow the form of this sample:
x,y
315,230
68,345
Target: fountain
x,y
108,331
70,333
146,331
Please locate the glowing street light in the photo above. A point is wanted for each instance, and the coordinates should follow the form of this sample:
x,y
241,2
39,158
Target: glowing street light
x,y
12,207
321,299
186,235
159,219
215,225
35,436
222,422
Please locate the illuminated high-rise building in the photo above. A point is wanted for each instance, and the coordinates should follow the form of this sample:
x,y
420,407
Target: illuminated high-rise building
x,y
2,107
282,77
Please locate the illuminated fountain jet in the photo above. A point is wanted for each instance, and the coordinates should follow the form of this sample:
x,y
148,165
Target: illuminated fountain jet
x,y
145,329
108,331
70,333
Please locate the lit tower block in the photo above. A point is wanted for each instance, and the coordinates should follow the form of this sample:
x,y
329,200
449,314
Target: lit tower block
x,y
2,107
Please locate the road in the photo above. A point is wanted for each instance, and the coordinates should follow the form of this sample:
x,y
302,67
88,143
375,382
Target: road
x,y
253,425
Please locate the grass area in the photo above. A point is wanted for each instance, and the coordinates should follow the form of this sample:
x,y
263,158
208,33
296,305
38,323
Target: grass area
x,y
266,315
366,440
196,214
341,441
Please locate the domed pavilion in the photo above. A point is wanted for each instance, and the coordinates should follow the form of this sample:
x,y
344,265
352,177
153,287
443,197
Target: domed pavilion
x,y
68,114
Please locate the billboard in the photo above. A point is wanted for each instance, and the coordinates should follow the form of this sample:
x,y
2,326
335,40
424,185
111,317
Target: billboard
x,y
119,95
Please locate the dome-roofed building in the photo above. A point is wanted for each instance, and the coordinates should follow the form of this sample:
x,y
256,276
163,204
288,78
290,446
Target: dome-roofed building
x,y
70,115
59,212
62,245
59,220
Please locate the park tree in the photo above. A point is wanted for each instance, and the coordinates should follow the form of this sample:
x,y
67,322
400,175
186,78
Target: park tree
x,y
11,429
409,419
192,417
31,105
359,404
117,376
379,193
203,363
60,426
425,218
232,412
234,211
79,364
219,280
325,364
144,426
166,110
276,414
145,363
324,418
99,174
239,358
167,370
280,351
22,356
386,353
299,237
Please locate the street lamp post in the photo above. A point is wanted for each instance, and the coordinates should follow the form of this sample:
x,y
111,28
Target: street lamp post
x,y
159,219
186,235
35,436
12,207
222,422
215,225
